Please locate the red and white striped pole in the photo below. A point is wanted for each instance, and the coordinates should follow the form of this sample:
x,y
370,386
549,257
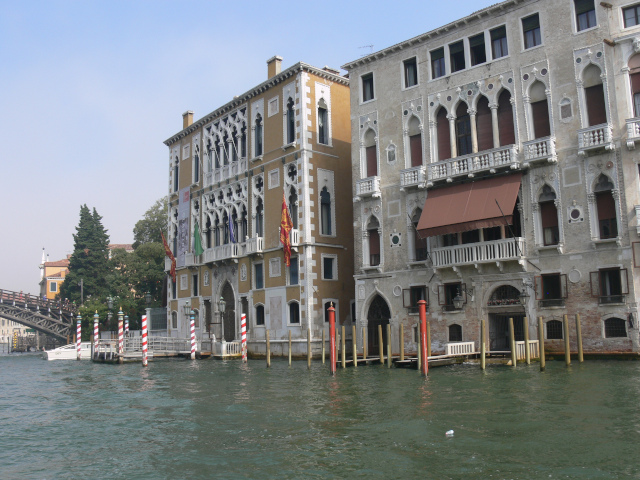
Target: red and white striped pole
x,y
193,335
243,333
96,332
126,325
332,337
120,336
144,341
79,337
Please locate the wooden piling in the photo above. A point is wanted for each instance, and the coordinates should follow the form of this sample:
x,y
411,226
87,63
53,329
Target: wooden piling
x,y
512,342
389,356
354,346
527,353
402,342
419,348
289,347
365,345
579,335
428,338
343,345
381,344
268,351
323,346
567,348
308,347
483,348
541,343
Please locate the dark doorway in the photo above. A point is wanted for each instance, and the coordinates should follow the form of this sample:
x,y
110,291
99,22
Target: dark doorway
x,y
379,314
229,316
499,330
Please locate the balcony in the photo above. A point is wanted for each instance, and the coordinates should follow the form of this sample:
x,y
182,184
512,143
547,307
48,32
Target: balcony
x,y
191,260
294,235
495,251
414,177
221,253
254,245
540,150
633,132
225,172
594,139
470,165
367,187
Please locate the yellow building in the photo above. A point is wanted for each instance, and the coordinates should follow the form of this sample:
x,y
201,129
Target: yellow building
x,y
228,172
51,276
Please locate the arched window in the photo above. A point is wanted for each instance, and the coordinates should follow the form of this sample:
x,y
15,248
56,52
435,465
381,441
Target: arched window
x,y
505,119
209,156
291,122
234,145
259,218
243,141
594,95
634,77
216,232
294,313
258,136
176,176
225,226
606,208
243,225
175,240
615,328
455,333
444,140
217,151
374,241
463,129
371,153
259,315
325,212
293,207
415,142
323,123
196,164
208,232
225,149
484,126
539,110
549,216
174,319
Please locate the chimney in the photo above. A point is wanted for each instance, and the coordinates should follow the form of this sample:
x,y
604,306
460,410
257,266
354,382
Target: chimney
x,y
187,119
274,66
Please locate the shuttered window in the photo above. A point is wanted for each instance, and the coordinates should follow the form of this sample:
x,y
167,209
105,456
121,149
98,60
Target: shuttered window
x,y
444,145
549,216
415,144
505,119
596,110
372,163
540,114
484,126
606,215
374,248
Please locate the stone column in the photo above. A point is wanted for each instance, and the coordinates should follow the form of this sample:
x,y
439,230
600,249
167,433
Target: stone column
x,y
452,135
494,125
474,130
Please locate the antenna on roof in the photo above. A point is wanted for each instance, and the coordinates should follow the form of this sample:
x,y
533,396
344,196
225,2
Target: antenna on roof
x,y
370,47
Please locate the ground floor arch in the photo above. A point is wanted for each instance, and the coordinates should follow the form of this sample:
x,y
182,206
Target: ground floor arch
x,y
378,314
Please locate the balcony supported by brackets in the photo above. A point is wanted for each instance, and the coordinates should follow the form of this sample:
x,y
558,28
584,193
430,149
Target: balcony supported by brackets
x,y
539,151
633,132
487,161
477,254
595,139
367,187
414,177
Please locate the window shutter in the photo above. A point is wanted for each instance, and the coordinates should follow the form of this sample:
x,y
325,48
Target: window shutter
x,y
540,113
442,298
538,286
415,143
505,120
444,141
596,110
624,281
606,205
406,297
563,286
594,278
374,242
484,126
372,164
548,214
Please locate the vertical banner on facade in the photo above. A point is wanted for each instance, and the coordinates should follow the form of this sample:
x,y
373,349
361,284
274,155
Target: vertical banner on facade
x,y
184,206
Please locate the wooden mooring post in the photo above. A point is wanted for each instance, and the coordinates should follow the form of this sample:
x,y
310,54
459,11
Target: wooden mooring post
x,y
541,343
527,353
567,347
309,347
354,345
428,334
289,347
402,342
268,351
323,346
343,345
483,348
364,343
389,355
381,344
579,335
512,342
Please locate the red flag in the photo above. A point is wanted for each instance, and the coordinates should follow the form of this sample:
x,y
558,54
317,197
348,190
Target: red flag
x,y
285,228
169,254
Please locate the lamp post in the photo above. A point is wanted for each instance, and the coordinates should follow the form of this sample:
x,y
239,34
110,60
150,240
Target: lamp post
x,y
222,306
110,306
524,299
457,301
148,298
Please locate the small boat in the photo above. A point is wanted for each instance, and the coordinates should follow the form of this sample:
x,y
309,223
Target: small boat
x,y
69,352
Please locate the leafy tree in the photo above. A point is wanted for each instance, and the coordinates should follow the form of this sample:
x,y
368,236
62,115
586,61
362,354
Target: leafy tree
x,y
147,230
89,262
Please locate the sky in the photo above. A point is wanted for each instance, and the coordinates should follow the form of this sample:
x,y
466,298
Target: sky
x,y
90,90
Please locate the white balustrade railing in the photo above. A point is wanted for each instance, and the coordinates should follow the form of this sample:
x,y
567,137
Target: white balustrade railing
x,y
225,172
633,131
534,350
482,252
255,245
595,137
469,165
540,149
228,348
413,177
295,237
460,348
369,186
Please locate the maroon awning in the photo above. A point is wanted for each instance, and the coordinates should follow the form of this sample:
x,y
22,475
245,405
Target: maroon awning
x,y
468,206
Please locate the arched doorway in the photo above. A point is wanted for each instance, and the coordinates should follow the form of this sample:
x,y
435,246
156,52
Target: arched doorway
x,y
229,316
503,304
378,314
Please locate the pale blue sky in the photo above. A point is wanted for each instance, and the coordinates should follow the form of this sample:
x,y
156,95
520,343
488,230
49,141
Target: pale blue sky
x,y
89,90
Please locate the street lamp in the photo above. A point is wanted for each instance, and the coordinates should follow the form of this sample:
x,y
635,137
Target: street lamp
x,y
187,308
457,301
110,306
222,305
524,297
148,298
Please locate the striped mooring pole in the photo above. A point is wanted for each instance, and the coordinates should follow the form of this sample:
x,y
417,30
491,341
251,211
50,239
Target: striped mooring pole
x,y
120,336
192,323
243,333
145,359
126,325
96,331
79,336
332,338
422,310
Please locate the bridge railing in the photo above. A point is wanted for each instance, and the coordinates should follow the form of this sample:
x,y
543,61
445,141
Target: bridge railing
x,y
26,299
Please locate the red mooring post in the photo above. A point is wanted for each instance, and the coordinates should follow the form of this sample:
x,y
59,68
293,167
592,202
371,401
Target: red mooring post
x,y
332,337
422,308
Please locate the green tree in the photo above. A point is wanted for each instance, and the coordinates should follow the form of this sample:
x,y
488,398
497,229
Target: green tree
x,y
147,229
89,262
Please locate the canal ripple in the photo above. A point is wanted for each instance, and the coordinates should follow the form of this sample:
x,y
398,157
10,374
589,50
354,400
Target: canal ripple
x,y
224,420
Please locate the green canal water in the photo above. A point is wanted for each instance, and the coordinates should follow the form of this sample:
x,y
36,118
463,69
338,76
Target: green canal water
x,y
224,420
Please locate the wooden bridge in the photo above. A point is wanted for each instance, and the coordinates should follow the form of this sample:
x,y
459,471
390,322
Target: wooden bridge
x,y
50,317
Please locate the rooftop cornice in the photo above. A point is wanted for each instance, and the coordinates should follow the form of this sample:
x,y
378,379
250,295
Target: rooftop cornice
x,y
463,22
255,91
